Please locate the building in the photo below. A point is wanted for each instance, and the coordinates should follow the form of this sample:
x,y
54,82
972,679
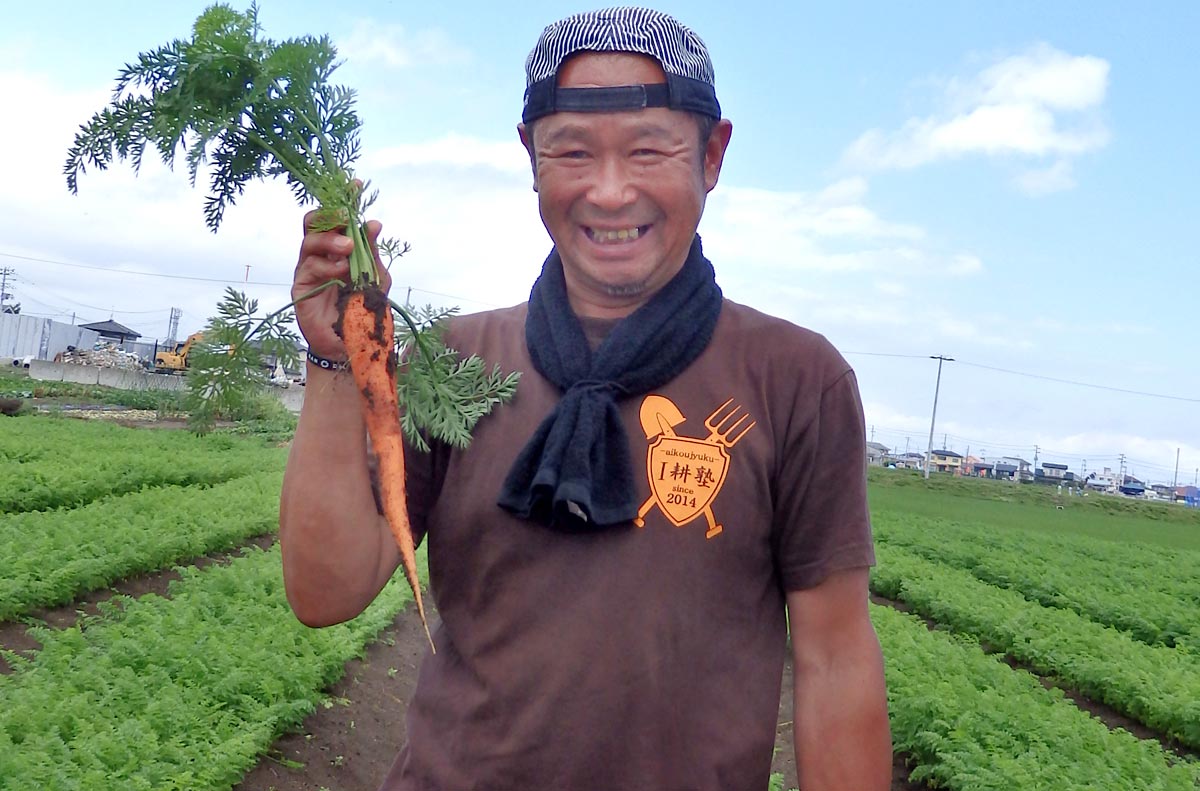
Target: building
x,y
1050,471
112,331
946,461
978,468
876,453
1024,468
909,461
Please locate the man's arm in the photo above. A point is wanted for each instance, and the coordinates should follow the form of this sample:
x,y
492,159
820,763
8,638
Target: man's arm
x,y
338,552
843,740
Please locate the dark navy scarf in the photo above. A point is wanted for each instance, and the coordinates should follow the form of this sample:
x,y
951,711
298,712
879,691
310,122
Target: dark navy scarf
x,y
575,473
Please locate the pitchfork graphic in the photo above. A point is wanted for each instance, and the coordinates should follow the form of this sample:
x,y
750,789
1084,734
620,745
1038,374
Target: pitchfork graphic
x,y
723,429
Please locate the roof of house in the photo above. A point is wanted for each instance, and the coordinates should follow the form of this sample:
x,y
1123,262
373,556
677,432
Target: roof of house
x,y
111,327
1053,466
948,454
1006,467
878,446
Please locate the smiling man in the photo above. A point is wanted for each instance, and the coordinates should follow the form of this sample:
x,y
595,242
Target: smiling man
x,y
619,556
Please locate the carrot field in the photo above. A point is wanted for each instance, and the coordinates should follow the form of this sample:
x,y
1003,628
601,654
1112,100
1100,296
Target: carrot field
x,y
1030,641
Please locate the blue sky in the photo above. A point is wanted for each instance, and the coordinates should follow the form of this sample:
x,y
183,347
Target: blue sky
x,y
1009,184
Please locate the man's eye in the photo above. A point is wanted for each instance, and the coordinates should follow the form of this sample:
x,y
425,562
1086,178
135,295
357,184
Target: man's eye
x,y
577,154
647,152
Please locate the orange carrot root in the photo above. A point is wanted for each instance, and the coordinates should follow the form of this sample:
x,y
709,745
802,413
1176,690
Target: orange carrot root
x,y
365,325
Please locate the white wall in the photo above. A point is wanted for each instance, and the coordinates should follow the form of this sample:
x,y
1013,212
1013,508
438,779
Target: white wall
x,y
28,336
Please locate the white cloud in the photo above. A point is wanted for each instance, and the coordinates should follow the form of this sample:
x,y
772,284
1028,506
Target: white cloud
x,y
1037,104
1056,178
1048,77
397,47
891,288
965,265
455,151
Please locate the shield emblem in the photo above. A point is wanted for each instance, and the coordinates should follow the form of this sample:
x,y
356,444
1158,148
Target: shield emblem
x,y
685,475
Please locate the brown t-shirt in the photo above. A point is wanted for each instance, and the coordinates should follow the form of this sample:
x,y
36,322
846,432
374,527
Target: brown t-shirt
x,y
648,657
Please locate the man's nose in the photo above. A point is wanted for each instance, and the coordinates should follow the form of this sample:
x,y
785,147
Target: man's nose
x,y
612,187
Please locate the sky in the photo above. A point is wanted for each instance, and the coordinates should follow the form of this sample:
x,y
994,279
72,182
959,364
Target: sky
x,y
1011,185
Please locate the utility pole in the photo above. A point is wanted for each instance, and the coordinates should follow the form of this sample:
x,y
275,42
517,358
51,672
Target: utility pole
x,y
933,420
1035,458
1122,481
872,433
5,273
1175,483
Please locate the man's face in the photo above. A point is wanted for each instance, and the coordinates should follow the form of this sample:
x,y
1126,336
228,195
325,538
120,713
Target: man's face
x,y
621,193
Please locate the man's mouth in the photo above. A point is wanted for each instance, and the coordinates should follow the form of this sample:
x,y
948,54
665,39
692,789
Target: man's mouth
x,y
615,235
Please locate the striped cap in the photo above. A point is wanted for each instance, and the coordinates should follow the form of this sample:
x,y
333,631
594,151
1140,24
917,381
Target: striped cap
x,y
680,52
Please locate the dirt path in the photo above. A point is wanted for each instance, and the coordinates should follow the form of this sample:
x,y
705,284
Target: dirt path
x,y
350,745
14,636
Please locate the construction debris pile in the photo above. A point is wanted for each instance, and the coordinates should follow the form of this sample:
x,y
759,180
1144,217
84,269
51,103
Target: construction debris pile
x,y
102,356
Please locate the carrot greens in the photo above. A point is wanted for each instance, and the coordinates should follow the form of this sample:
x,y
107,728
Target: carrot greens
x,y
240,107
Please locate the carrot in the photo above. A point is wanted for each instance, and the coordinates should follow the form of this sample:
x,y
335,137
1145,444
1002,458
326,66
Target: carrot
x,y
366,328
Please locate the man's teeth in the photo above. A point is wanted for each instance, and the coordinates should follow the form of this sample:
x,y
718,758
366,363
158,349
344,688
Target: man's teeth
x,y
613,237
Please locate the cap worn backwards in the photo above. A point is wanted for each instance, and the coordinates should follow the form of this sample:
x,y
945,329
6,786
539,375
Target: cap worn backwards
x,y
681,53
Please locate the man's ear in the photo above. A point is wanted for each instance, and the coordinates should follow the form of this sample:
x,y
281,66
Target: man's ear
x,y
714,152
526,135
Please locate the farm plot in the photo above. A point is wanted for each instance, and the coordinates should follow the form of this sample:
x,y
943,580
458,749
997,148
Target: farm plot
x,y
191,690
48,463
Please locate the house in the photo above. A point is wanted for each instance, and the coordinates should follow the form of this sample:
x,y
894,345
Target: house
x,y
1024,471
1188,495
1052,472
946,461
1132,487
1005,472
1101,481
909,461
111,330
978,468
876,453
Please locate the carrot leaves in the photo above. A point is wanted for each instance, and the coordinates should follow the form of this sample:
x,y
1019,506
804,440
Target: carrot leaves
x,y
241,107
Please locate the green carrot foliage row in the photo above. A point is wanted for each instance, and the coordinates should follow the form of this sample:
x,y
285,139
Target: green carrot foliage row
x,y
173,694
53,463
49,558
1155,685
1149,592
971,723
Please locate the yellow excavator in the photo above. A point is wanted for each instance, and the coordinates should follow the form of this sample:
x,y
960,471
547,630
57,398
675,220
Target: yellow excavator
x,y
176,360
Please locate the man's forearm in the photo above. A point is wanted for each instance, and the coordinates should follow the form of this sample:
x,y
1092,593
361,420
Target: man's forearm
x,y
337,551
843,740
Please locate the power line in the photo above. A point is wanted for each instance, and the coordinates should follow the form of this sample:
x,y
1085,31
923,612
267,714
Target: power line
x,y
1082,384
111,271
235,282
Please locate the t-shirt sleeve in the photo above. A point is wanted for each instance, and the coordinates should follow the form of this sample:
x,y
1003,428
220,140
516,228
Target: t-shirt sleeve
x,y
424,472
822,523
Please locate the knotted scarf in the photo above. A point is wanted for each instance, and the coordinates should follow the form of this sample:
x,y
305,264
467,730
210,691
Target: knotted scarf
x,y
576,473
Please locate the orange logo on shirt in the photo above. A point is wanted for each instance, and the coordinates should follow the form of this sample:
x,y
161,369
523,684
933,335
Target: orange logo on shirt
x,y
686,474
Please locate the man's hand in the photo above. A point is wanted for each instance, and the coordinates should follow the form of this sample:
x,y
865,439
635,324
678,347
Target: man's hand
x,y
325,256
843,739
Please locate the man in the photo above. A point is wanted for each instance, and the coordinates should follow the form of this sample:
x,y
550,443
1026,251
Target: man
x,y
617,557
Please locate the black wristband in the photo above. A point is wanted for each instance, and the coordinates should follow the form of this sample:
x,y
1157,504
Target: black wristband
x,y
328,365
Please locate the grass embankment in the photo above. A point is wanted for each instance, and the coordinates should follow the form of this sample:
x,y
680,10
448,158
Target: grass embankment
x,y
259,415
1035,506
